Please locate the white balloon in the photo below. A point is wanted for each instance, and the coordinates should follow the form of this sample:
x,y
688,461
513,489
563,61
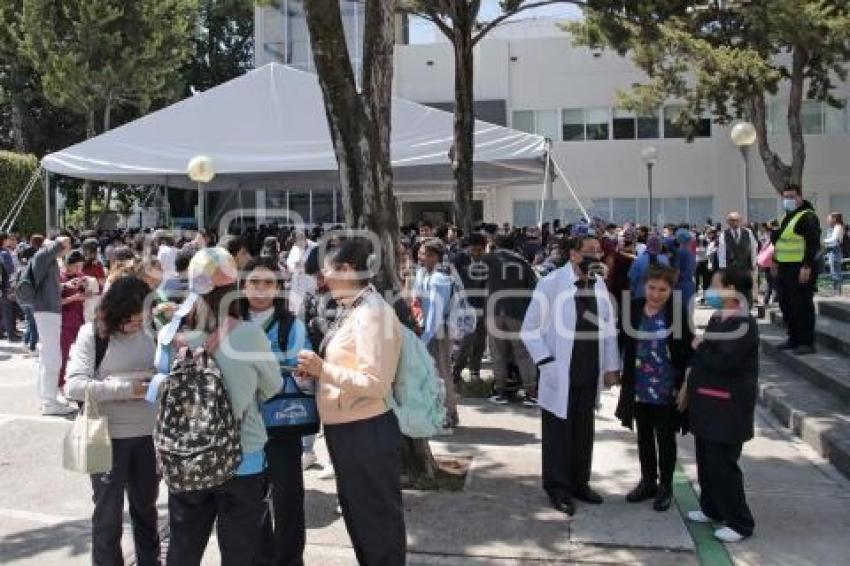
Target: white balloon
x,y
200,169
743,134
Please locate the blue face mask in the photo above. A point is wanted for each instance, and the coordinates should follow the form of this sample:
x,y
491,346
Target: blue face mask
x,y
713,299
789,204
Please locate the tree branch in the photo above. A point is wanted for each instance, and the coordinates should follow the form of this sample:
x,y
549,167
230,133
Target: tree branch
x,y
489,26
435,19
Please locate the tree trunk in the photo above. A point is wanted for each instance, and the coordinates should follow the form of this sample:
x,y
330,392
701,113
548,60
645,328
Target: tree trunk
x,y
464,129
359,125
107,125
781,174
87,186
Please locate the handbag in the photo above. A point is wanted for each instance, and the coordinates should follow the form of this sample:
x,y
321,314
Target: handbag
x,y
291,411
87,447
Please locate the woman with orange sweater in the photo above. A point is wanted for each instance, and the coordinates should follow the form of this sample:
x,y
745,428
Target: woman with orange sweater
x,y
355,373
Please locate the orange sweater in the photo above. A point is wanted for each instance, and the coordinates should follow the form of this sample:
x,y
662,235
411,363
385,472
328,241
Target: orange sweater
x,y
361,361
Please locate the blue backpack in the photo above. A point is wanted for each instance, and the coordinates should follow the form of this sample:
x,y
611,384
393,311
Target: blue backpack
x,y
291,411
418,392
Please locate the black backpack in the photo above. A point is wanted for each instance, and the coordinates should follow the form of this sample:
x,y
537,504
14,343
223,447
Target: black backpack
x,y
845,244
196,435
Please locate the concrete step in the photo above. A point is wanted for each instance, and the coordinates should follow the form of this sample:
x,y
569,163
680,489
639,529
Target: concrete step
x,y
810,412
838,309
831,333
827,369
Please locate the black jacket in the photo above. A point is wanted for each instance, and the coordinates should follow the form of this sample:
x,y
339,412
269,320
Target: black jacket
x,y
809,228
680,356
510,283
723,383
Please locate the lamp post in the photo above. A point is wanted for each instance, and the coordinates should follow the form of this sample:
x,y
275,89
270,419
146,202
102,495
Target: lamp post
x,y
744,135
200,169
650,158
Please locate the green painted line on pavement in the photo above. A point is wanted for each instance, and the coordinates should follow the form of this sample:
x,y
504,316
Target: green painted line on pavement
x,y
710,551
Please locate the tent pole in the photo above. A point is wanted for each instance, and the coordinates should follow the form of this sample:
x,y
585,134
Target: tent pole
x,y
571,189
202,208
241,210
48,223
547,185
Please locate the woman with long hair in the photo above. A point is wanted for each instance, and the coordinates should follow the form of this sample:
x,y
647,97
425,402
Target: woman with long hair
x,y
265,304
112,363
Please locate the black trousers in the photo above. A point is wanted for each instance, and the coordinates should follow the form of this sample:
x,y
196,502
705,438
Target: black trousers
x,y
703,276
469,351
656,435
366,456
237,507
797,304
568,444
285,537
721,485
133,471
9,317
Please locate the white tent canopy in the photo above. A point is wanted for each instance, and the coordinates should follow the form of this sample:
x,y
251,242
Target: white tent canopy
x,y
268,130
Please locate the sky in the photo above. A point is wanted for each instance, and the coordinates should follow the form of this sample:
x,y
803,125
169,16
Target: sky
x,y
422,31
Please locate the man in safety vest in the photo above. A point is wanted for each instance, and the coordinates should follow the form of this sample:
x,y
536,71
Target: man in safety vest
x,y
796,244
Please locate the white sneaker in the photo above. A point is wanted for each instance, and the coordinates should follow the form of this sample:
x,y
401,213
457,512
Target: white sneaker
x,y
308,460
698,517
726,534
327,472
56,409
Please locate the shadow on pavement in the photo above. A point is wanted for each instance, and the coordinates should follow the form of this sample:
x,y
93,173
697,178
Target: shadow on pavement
x,y
71,535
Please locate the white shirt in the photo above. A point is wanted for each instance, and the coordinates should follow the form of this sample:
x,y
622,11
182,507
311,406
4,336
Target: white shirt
x,y
741,233
167,257
835,237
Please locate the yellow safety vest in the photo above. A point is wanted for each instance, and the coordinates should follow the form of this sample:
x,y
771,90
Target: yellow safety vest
x,y
790,246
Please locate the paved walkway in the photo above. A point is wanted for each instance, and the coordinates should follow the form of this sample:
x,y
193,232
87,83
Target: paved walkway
x,y
801,505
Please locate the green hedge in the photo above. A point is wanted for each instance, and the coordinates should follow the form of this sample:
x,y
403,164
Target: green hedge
x,y
15,172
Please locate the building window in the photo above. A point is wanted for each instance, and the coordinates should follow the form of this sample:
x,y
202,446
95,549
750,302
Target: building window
x,y
523,120
600,208
597,123
836,119
573,124
811,114
673,130
625,125
763,209
540,122
647,126
526,212
623,210
700,210
840,203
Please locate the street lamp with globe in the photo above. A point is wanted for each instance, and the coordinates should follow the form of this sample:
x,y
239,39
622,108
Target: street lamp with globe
x,y
200,169
649,155
744,135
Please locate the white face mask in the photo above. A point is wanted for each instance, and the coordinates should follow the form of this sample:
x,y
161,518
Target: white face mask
x,y
789,204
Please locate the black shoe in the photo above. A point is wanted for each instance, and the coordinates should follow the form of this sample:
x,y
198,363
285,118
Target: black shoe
x,y
563,504
586,494
500,399
803,350
787,345
642,492
663,498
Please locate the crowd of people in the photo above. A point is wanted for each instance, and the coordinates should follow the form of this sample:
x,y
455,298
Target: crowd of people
x,y
296,318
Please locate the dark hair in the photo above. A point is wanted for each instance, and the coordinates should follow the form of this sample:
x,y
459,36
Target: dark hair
x,y
576,242
426,223
738,279
124,253
354,252
182,260
124,298
76,256
793,187
3,237
669,275
233,244
281,305
475,239
311,262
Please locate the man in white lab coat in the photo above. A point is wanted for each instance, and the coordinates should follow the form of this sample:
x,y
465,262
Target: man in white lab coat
x,y
570,332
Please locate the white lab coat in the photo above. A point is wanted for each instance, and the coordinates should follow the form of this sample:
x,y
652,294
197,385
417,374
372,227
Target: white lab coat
x,y
547,331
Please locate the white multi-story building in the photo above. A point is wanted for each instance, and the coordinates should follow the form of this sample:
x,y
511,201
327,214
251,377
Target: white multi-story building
x,y
528,76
